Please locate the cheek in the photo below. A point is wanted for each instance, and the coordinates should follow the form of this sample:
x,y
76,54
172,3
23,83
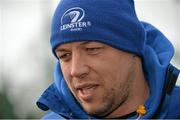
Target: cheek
x,y
108,68
112,73
66,73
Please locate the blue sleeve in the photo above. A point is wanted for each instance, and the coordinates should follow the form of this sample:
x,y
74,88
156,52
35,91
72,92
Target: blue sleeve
x,y
51,115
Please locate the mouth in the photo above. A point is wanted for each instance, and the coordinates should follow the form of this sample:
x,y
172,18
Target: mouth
x,y
86,92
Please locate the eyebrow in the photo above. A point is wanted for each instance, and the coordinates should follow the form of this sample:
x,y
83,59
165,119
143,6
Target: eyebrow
x,y
64,50
61,50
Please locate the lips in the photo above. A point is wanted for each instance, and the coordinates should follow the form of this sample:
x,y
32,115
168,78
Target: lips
x,y
86,91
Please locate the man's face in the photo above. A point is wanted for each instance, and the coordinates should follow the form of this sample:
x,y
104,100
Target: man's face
x,y
99,76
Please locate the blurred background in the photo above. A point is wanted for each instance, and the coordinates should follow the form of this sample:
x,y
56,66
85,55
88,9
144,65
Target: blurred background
x,y
26,61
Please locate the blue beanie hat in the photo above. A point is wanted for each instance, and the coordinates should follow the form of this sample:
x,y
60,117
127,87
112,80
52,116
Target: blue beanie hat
x,y
112,22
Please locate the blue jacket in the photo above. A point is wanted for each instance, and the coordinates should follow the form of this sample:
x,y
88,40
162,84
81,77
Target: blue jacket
x,y
164,99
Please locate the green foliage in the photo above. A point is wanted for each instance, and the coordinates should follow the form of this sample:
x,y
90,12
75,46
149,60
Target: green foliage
x,y
6,108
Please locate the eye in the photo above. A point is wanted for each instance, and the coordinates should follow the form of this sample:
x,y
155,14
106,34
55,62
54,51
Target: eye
x,y
94,50
64,57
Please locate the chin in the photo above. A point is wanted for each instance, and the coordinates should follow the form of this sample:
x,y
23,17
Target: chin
x,y
96,110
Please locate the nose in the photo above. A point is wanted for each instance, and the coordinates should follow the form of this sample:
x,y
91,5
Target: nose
x,y
79,66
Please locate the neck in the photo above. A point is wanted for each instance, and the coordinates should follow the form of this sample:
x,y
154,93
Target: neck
x,y
138,94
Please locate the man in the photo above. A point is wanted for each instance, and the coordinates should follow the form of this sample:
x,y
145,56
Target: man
x,y
110,65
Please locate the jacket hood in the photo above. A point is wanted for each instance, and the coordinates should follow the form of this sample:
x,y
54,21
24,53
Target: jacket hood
x,y
157,55
158,52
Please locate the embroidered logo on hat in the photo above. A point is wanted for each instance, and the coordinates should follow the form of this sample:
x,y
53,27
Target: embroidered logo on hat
x,y
72,20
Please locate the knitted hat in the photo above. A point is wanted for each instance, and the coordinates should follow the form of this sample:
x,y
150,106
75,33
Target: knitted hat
x,y
113,22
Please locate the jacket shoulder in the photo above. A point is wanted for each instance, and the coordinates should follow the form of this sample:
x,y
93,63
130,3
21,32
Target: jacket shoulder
x,y
52,115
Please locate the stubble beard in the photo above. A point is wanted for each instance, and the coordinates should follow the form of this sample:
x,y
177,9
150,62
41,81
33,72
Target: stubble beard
x,y
110,101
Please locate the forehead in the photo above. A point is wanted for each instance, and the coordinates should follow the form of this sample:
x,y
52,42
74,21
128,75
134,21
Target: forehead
x,y
80,43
